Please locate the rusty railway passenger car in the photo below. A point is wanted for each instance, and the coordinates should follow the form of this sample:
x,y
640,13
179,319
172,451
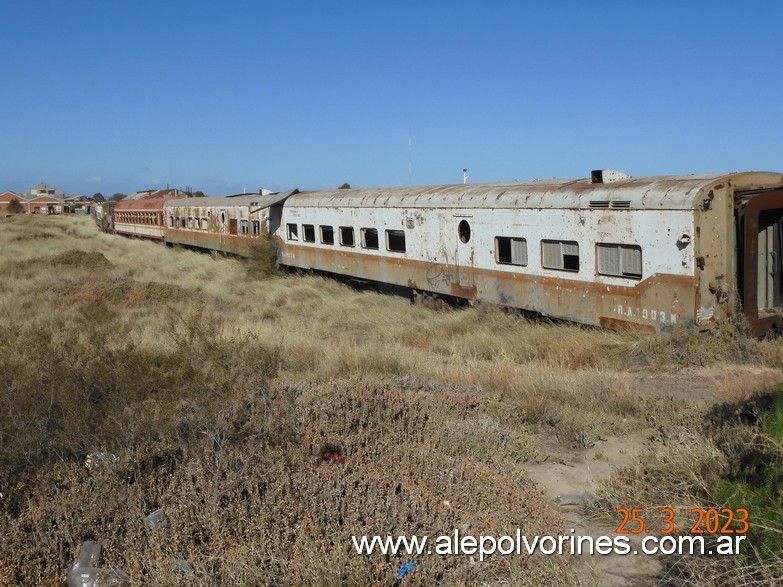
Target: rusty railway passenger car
x,y
230,224
609,250
142,218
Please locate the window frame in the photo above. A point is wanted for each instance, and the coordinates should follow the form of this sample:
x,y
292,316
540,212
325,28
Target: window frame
x,y
397,232
620,247
510,240
563,265
321,233
370,231
347,230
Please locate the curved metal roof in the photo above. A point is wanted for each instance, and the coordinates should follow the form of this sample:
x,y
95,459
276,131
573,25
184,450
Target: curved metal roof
x,y
254,200
142,204
665,192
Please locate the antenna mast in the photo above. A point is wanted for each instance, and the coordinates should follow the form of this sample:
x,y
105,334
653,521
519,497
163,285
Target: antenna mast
x,y
410,158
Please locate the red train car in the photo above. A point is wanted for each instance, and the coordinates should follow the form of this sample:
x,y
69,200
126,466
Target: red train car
x,y
142,217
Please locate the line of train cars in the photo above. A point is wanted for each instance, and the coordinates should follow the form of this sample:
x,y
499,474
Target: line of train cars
x,y
609,250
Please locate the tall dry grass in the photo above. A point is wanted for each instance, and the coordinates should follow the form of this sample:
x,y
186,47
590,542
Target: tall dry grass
x,y
217,384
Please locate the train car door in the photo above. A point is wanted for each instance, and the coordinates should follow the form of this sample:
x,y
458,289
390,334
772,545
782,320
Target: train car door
x,y
769,261
464,285
760,270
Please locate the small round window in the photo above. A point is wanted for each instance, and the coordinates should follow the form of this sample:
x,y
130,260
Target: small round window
x,y
222,218
464,231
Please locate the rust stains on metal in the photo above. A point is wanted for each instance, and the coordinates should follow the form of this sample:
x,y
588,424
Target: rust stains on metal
x,y
468,293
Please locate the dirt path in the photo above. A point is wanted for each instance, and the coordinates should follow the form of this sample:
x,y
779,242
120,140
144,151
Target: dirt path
x,y
568,474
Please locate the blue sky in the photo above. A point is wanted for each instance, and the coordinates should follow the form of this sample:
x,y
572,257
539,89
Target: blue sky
x,y
226,96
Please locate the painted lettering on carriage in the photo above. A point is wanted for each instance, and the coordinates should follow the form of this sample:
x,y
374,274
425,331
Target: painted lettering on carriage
x,y
646,314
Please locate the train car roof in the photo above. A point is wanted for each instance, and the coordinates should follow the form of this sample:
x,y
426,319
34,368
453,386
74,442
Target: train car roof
x,y
663,193
255,200
141,204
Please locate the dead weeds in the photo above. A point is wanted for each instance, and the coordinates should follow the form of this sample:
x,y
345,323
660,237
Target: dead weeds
x,y
218,390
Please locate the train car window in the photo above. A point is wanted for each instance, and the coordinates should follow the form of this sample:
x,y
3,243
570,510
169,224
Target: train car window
x,y
256,227
395,241
562,255
511,251
370,238
184,222
243,227
346,236
464,231
308,233
190,222
619,260
327,235
222,217
204,224
293,232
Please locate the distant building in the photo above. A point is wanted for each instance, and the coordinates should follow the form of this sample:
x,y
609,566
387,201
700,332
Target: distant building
x,y
43,189
5,200
168,194
43,205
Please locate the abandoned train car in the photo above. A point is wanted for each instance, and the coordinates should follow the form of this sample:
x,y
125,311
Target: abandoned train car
x,y
142,218
229,225
609,250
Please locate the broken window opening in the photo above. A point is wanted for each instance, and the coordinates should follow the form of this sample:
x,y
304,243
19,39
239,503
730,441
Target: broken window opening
x,y
346,236
370,238
395,241
327,235
511,251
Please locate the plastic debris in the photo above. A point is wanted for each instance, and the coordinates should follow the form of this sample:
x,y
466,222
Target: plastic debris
x,y
86,573
180,564
156,519
333,452
95,459
406,568
570,499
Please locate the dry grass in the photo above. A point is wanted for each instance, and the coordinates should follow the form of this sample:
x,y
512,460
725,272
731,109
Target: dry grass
x,y
217,382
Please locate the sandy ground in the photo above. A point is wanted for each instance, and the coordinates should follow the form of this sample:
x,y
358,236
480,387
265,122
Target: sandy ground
x,y
568,474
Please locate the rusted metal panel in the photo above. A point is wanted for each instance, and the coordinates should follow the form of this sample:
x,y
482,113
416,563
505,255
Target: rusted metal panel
x,y
230,225
657,302
439,259
664,193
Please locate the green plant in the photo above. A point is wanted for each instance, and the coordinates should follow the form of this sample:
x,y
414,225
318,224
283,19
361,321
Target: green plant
x,y
15,206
